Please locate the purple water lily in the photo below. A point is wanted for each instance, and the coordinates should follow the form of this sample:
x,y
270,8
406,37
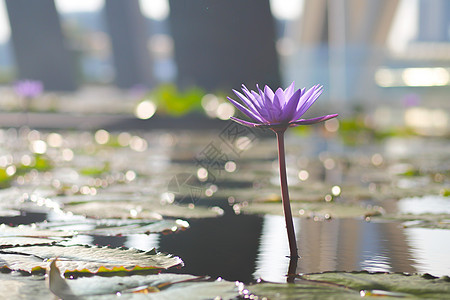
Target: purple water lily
x,y
278,111
28,88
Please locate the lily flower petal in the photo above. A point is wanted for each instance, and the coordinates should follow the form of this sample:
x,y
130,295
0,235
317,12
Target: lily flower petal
x,y
267,104
303,105
245,123
289,91
311,100
289,109
279,100
254,97
244,110
277,110
249,105
311,121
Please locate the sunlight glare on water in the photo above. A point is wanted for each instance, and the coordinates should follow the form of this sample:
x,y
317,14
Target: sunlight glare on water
x,y
376,263
272,262
431,204
351,245
430,249
143,242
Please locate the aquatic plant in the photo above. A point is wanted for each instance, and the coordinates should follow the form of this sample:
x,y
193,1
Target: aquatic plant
x,y
278,111
29,88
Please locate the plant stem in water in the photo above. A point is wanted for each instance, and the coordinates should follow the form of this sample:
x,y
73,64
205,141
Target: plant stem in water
x,y
285,195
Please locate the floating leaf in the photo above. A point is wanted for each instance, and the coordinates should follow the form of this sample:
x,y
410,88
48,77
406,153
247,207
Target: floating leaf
x,y
300,290
24,287
445,192
160,286
32,231
115,227
77,260
157,287
11,241
137,210
342,285
30,235
164,226
322,210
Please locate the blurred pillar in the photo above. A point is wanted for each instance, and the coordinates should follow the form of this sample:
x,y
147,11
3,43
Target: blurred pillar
x,y
369,25
341,44
313,41
39,47
128,33
222,44
434,21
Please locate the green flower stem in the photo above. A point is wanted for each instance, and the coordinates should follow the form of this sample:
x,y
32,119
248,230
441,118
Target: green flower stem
x,y
285,195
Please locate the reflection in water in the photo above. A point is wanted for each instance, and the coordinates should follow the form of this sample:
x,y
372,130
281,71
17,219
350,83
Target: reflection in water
x,y
431,204
272,259
371,258
143,242
430,248
341,244
219,247
247,247
82,239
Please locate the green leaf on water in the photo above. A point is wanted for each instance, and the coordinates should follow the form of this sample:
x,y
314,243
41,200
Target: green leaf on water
x,y
300,290
32,231
321,210
40,163
160,286
174,102
5,179
85,260
353,285
138,209
445,192
116,227
30,235
155,286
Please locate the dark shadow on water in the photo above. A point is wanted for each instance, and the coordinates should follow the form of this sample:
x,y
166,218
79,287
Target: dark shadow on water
x,y
25,218
110,241
223,247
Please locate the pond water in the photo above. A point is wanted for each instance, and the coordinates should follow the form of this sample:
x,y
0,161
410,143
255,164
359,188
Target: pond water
x,y
248,245
246,248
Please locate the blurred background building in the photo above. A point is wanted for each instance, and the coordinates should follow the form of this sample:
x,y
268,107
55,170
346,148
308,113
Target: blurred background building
x,y
365,52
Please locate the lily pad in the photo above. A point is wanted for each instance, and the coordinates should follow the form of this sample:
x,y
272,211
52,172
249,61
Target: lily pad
x,y
321,210
341,285
430,211
163,226
12,241
156,286
32,231
79,260
138,210
160,286
24,287
116,227
30,235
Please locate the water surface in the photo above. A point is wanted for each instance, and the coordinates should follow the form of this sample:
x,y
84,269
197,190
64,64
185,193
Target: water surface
x,y
248,247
